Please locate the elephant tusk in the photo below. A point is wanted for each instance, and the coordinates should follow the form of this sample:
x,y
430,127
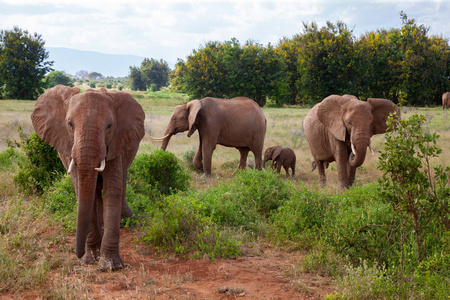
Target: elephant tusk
x,y
102,166
371,150
72,162
353,149
160,138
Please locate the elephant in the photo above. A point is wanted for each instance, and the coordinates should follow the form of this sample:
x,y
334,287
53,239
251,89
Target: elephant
x,y
281,157
446,100
97,135
339,129
237,122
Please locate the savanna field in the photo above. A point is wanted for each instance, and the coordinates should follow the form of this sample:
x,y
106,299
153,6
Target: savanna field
x,y
239,234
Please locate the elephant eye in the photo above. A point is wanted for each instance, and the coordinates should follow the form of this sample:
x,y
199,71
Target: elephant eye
x,y
70,124
109,126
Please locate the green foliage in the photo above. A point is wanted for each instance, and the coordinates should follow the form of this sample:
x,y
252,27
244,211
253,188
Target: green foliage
x,y
160,171
152,75
180,227
61,202
418,194
401,64
23,64
247,200
41,166
227,70
8,158
57,77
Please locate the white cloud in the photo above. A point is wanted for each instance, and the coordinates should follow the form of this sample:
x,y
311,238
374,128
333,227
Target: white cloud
x,y
171,29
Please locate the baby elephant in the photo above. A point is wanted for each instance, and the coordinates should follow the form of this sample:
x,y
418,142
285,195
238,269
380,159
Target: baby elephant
x,y
281,156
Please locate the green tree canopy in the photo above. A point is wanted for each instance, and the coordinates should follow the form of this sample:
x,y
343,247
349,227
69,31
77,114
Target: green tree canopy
x,y
152,75
23,64
57,77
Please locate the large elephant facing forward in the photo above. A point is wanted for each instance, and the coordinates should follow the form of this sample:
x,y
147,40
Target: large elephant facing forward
x,y
97,135
446,100
237,122
339,129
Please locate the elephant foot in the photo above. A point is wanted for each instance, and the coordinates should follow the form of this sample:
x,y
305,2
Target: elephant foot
x,y
126,212
90,257
110,263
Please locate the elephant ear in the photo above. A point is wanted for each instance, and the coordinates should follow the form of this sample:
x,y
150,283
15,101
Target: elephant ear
x,y
193,107
276,152
48,118
381,108
130,119
330,112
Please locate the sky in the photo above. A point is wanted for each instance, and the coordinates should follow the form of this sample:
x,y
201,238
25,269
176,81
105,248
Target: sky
x,y
172,29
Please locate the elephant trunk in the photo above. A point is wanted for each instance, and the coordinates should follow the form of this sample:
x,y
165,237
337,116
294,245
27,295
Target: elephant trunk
x,y
89,158
165,141
359,148
87,182
167,135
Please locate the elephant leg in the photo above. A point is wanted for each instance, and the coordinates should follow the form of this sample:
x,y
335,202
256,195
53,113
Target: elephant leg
x,y
126,209
199,158
243,159
258,159
342,166
279,165
207,159
351,175
321,171
94,238
113,193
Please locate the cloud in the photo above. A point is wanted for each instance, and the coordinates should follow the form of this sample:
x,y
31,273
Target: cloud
x,y
171,29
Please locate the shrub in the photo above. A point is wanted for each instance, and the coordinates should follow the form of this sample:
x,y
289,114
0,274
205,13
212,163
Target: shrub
x,y
60,200
418,194
159,170
41,166
92,85
246,200
180,227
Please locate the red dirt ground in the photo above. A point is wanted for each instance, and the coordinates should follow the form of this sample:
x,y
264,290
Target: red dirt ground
x,y
270,275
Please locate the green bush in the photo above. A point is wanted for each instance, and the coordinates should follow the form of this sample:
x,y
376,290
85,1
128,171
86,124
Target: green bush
x,y
160,171
41,166
60,200
246,200
92,85
180,227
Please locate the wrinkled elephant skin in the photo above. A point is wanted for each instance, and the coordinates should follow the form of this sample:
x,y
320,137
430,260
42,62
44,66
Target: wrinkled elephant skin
x,y
97,135
237,122
339,129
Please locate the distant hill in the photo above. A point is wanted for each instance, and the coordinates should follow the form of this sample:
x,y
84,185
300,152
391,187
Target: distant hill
x,y
72,61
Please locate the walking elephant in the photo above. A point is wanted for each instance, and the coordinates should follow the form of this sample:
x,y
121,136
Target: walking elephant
x,y
446,100
339,129
237,122
97,135
281,157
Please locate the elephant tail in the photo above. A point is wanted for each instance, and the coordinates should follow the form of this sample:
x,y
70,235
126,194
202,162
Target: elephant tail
x,y
314,165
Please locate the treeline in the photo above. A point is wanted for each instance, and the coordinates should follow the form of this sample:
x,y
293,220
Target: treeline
x,y
405,65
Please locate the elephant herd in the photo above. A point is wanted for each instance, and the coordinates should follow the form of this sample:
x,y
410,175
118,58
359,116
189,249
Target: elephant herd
x,y
97,134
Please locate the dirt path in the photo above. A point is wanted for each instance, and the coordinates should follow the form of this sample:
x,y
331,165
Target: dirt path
x,y
147,275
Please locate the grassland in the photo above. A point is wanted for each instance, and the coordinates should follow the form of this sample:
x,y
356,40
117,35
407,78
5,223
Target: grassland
x,y
37,237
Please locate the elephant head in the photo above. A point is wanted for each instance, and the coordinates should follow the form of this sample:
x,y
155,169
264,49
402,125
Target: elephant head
x,y
183,118
271,153
351,120
90,130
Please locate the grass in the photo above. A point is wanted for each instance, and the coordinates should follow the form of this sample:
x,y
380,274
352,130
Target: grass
x,y
27,232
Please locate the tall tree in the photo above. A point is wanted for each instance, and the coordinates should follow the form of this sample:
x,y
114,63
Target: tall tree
x,y
23,64
155,74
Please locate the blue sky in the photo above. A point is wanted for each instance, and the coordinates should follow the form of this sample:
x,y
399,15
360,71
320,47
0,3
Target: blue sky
x,y
171,29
